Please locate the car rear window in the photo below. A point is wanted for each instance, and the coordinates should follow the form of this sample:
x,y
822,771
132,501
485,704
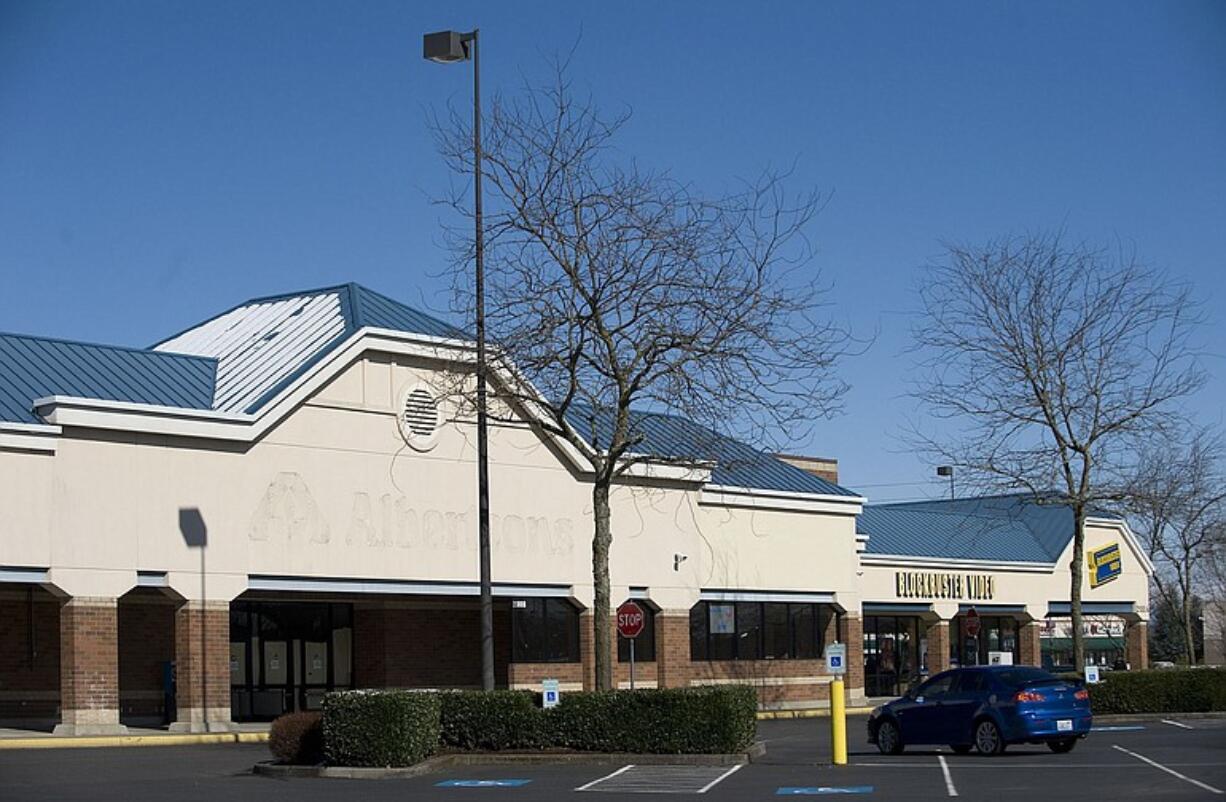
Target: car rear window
x,y
1017,677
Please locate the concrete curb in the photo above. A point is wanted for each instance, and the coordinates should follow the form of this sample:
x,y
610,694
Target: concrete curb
x,y
821,712
99,741
1126,717
506,759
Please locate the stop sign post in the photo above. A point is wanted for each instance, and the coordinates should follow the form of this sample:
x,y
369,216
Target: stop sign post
x,y
630,622
972,623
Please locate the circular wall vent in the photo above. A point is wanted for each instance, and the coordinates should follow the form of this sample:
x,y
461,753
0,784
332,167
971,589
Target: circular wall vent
x,y
419,418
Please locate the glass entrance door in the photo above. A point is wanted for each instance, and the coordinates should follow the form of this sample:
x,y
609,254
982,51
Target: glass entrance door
x,y
892,646
285,656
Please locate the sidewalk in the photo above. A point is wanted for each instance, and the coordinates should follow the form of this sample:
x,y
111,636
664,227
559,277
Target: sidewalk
x,y
137,736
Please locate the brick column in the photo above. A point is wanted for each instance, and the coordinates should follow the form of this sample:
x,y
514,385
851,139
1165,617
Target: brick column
x,y
853,636
1136,648
673,668
89,667
202,667
938,647
1031,649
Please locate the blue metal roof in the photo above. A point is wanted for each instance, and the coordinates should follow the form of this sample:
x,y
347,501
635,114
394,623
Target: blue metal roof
x,y
265,344
736,464
35,367
1008,528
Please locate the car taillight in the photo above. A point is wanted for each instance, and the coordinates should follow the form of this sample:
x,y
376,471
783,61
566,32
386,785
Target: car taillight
x,y
1082,694
1028,696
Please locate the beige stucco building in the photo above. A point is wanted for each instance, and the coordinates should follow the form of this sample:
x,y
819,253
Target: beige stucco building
x,y
282,501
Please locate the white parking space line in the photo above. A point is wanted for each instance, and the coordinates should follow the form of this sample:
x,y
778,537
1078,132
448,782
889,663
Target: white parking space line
x,y
1169,771
1176,724
721,778
586,786
949,780
661,779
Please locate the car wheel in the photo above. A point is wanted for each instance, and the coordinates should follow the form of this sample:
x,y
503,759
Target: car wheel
x,y
988,740
1062,746
960,749
889,740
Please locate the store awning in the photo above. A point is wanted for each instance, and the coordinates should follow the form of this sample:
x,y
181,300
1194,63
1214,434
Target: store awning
x,y
896,608
1058,609
993,609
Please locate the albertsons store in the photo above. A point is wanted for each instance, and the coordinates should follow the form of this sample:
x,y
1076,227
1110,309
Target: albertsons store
x,y
279,502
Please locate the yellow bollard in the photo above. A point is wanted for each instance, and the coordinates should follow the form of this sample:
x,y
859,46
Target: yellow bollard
x,y
838,723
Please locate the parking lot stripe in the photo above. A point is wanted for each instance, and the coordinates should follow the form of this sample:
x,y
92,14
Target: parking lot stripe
x,y
1176,724
721,778
1171,772
1117,729
586,786
949,780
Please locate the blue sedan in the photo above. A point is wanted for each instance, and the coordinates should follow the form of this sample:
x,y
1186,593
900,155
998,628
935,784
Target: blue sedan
x,y
985,708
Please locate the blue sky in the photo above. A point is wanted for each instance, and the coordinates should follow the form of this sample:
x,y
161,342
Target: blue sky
x,y
161,161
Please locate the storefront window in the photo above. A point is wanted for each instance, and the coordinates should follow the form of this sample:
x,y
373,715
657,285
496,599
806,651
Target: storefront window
x,y
996,634
757,630
544,631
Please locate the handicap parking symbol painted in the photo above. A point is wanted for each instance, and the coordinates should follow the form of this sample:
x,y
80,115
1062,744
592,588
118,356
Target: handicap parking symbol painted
x,y
481,783
823,789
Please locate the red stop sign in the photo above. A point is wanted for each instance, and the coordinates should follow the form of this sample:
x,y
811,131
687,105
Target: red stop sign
x,y
630,618
972,623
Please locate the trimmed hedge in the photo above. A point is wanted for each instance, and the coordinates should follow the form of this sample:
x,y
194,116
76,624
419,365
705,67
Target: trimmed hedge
x,y
492,720
1187,690
297,738
399,728
380,728
667,721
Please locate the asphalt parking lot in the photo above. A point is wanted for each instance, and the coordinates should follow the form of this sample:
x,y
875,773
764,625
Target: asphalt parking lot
x,y
1179,758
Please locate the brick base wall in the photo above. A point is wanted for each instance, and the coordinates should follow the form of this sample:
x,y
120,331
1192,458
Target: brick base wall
x,y
89,667
1030,647
146,643
426,647
1136,648
938,647
29,656
202,667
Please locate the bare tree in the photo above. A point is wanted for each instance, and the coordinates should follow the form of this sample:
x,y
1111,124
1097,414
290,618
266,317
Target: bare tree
x,y
613,288
1177,499
1052,362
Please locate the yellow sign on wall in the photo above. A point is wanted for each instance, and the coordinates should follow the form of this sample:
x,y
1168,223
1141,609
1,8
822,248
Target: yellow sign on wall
x,y
1104,564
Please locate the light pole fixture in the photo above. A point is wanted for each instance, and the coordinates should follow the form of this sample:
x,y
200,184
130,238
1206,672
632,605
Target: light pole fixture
x,y
445,47
947,470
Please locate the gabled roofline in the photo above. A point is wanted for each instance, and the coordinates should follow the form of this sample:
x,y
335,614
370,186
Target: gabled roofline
x,y
1125,532
249,426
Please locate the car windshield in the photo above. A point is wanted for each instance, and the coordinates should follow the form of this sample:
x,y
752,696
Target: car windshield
x,y
1017,677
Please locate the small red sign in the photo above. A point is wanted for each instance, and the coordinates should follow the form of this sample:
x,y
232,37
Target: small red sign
x,y
972,623
630,619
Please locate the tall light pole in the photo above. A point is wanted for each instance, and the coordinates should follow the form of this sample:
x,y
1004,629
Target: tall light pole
x,y
947,470
446,47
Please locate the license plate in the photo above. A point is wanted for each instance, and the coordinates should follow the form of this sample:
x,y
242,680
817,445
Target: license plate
x,y
1064,725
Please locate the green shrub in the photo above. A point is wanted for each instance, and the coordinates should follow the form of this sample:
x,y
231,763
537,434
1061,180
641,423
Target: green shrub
x,y
1189,690
492,720
297,738
380,728
668,721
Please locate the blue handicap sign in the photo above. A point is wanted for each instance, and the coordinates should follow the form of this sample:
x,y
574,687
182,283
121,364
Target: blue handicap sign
x,y
481,783
815,790
835,661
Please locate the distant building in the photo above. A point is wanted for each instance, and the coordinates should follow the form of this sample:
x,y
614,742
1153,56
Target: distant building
x,y
1215,632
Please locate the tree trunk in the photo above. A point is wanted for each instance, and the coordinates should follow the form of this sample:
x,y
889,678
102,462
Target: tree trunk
x,y
1077,569
601,621
1189,637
